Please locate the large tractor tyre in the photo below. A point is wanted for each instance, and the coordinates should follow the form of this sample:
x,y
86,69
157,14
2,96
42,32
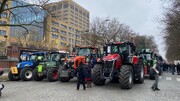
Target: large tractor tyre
x,y
52,74
151,74
97,71
36,77
115,80
139,74
26,74
126,77
13,77
64,79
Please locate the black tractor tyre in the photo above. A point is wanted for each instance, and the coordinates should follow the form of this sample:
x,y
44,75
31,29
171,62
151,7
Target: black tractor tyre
x,y
97,71
26,74
126,77
64,79
151,74
13,77
52,74
139,74
36,77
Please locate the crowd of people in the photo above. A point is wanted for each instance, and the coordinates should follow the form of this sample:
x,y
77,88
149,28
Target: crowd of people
x,y
172,68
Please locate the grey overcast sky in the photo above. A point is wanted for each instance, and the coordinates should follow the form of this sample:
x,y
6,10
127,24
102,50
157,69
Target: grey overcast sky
x,y
141,15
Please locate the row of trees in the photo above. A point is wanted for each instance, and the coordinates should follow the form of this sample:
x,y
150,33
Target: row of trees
x,y
105,30
172,30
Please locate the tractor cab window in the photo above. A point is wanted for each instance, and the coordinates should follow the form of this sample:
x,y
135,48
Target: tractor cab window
x,y
33,57
146,56
55,57
119,49
83,52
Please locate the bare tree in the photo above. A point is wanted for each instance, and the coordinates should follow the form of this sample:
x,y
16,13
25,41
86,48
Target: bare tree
x,y
172,30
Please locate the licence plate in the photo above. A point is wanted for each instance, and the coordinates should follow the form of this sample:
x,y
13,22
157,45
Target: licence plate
x,y
14,70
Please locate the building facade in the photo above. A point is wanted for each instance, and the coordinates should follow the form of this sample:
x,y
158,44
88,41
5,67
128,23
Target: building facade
x,y
4,30
69,21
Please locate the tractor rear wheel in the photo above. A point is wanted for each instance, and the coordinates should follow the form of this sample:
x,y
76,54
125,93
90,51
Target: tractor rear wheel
x,y
36,77
139,74
26,74
126,77
97,73
13,77
52,74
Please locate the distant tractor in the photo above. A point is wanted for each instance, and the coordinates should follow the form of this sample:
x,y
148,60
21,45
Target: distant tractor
x,y
83,54
49,69
120,65
24,70
148,59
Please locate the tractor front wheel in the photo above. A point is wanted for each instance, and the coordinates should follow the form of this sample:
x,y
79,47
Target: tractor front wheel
x,y
52,74
36,77
126,77
26,74
97,73
13,77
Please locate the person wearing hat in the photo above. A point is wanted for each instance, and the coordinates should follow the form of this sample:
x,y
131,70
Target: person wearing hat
x,y
156,73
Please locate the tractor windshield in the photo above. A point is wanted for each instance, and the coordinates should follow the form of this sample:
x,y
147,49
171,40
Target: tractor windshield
x,y
58,56
119,48
146,56
33,57
83,52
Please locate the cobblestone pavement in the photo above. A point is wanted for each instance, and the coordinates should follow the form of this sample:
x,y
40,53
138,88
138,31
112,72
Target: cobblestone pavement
x,y
57,91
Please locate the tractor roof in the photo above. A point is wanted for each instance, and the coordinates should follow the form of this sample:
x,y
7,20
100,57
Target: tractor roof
x,y
120,43
39,53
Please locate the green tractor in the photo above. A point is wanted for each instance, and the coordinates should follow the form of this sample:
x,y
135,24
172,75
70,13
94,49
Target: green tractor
x,y
49,69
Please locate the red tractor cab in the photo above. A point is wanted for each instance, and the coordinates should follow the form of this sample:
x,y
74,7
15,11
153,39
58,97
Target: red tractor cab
x,y
119,64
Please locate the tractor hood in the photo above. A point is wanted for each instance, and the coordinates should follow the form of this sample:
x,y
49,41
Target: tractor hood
x,y
111,57
24,64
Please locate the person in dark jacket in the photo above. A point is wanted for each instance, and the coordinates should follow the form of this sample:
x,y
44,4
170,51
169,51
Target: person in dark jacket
x,y
172,66
178,69
81,75
88,75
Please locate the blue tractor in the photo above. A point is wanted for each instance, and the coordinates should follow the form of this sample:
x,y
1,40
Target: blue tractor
x,y
24,70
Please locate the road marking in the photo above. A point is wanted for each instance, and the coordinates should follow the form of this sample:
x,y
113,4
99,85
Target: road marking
x,y
178,79
168,78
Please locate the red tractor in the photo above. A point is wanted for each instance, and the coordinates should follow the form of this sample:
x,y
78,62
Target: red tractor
x,y
119,64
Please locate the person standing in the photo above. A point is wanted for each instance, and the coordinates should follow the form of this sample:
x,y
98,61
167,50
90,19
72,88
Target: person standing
x,y
172,68
178,69
156,69
81,75
89,75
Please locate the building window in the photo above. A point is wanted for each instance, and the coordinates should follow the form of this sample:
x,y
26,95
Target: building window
x,y
71,29
53,8
65,5
54,30
80,11
54,36
72,7
60,6
63,38
4,14
3,22
63,44
76,9
72,12
55,23
84,14
63,26
2,32
65,11
65,14
65,19
63,32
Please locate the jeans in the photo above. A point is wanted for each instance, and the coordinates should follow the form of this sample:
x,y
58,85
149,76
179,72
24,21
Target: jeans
x,y
81,80
155,85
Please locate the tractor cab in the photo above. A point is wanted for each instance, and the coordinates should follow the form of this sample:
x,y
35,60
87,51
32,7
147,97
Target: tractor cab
x,y
124,50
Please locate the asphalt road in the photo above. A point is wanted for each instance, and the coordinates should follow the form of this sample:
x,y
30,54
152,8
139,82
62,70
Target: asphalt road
x,y
57,91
